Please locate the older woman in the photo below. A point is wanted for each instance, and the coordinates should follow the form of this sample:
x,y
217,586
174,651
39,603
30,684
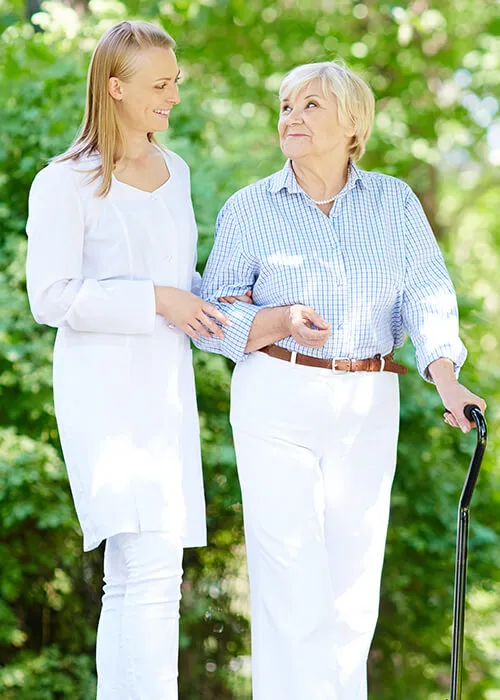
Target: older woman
x,y
340,262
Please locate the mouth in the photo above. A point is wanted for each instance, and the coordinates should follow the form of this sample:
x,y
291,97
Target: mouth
x,y
162,113
296,136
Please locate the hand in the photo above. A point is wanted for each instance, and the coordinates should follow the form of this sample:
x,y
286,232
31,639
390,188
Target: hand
x,y
307,327
189,312
455,397
246,298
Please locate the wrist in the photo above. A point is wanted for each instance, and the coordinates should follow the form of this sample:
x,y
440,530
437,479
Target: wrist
x,y
443,374
285,321
161,300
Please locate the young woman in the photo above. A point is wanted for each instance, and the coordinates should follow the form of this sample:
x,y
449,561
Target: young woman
x,y
111,264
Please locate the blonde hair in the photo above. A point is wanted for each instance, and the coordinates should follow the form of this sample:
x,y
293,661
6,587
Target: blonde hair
x,y
114,56
356,104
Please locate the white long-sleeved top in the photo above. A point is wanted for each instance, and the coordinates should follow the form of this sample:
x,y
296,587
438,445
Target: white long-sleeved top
x,y
124,389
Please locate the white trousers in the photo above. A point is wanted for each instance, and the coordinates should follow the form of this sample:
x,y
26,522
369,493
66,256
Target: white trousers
x,y
316,453
138,632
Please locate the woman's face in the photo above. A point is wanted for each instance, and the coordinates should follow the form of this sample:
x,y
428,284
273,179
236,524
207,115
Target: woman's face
x,y
144,101
309,125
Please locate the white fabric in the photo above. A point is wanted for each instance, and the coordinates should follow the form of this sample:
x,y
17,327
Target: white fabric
x,y
138,633
123,380
316,454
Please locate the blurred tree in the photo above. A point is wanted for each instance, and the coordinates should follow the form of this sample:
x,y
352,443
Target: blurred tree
x,y
434,71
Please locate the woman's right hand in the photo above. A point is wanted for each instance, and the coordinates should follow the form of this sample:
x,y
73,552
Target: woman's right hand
x,y
189,312
307,327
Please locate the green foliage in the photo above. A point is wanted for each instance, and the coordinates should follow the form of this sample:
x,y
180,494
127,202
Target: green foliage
x,y
435,76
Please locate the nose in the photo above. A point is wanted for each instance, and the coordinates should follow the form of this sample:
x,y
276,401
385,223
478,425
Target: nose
x,y
174,98
294,116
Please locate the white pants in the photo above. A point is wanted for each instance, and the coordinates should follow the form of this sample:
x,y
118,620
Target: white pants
x,y
138,633
316,454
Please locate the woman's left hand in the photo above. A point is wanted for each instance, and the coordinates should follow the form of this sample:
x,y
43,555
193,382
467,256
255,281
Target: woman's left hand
x,y
247,298
455,397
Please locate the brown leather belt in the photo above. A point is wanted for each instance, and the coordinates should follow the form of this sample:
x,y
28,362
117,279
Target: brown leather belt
x,y
372,364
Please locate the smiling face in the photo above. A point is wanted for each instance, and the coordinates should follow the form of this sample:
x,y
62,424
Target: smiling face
x,y
144,100
309,125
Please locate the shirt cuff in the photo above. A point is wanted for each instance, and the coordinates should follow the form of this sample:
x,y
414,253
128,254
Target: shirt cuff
x,y
457,353
241,316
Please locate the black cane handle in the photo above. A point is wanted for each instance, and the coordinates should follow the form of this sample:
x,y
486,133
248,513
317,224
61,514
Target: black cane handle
x,y
474,414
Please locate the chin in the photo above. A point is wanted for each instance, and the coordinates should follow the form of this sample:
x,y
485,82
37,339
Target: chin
x,y
161,127
293,151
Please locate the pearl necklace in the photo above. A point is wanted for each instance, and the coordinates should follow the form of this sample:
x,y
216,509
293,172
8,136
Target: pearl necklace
x,y
323,201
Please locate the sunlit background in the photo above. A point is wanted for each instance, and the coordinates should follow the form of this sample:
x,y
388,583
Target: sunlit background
x,y
435,69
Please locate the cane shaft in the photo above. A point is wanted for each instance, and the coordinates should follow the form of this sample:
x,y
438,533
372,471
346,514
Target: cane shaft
x,y
459,605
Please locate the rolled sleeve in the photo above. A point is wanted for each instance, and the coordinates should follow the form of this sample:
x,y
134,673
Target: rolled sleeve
x,y
229,272
429,308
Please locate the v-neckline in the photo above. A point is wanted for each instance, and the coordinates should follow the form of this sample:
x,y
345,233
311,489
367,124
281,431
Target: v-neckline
x,y
160,187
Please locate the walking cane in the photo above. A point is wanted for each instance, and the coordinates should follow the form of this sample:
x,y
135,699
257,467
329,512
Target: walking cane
x,y
472,413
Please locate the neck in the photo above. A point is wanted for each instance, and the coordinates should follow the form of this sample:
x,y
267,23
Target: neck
x,y
322,178
135,146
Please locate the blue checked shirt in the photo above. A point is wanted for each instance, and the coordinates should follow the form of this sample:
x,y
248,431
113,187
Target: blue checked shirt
x,y
372,268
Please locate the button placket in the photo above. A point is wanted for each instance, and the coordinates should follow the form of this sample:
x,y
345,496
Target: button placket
x,y
169,257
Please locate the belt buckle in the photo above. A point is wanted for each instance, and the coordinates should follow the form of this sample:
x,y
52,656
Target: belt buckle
x,y
340,359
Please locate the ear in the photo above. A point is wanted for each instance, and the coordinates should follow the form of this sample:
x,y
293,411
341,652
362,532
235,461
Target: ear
x,y
115,88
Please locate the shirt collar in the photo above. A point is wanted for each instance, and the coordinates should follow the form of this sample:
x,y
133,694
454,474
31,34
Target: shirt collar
x,y
285,179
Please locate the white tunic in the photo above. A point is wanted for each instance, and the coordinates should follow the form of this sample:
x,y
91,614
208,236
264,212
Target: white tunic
x,y
124,389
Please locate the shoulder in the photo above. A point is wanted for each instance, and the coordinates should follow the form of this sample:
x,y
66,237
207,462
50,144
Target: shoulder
x,y
65,176
175,161
381,184
248,200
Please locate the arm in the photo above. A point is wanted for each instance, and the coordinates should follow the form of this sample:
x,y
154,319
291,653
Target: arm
x,y
57,291
269,326
229,273
305,326
430,316
429,309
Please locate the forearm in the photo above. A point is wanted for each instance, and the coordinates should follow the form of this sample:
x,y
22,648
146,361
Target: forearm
x,y
269,325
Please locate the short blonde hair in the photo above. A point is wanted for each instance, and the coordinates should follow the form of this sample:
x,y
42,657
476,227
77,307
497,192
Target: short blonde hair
x,y
115,55
356,104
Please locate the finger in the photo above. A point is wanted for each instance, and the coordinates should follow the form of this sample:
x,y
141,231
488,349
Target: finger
x,y
218,315
211,325
246,299
201,329
231,300
311,343
464,424
450,420
313,336
318,320
189,330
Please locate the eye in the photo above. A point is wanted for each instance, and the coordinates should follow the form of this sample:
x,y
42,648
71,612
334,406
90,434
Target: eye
x,y
311,102
285,108
160,87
